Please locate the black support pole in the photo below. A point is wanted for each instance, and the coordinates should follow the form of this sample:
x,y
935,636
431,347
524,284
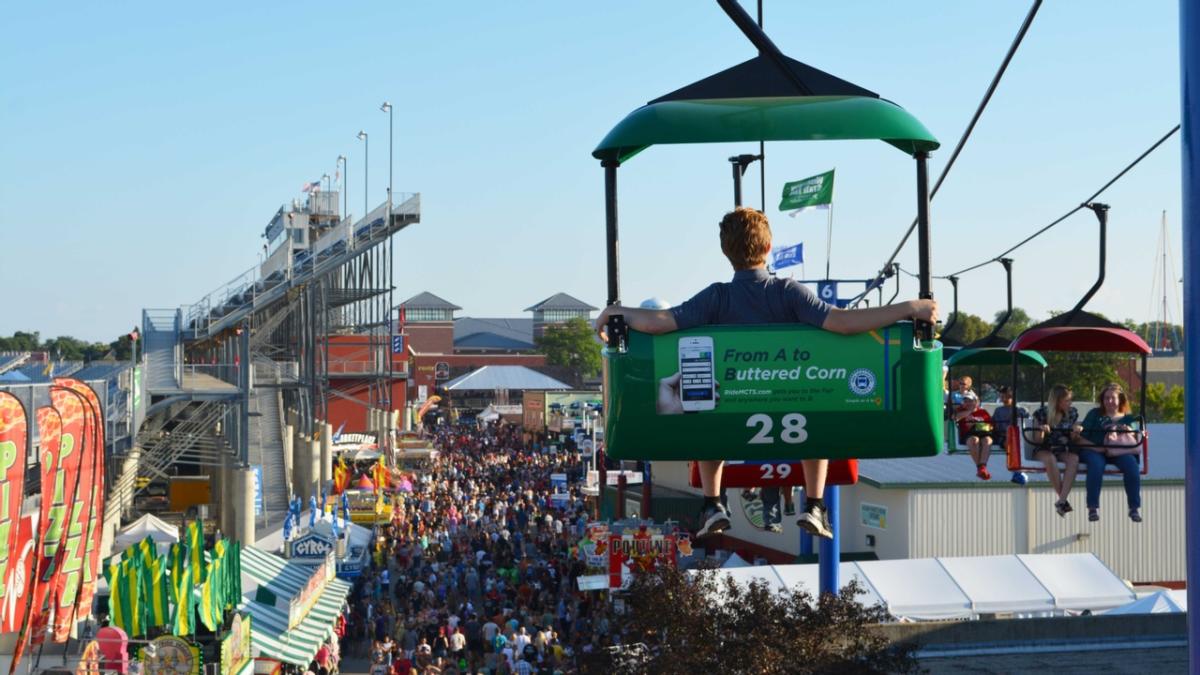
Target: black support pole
x,y
1101,211
954,318
925,272
610,221
737,182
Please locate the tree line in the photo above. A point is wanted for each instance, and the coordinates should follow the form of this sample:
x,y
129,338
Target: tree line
x,y
1085,373
67,348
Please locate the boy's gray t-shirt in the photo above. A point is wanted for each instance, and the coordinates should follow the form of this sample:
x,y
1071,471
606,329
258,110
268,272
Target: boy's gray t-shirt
x,y
753,297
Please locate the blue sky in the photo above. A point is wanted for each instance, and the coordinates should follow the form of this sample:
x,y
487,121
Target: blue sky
x,y
148,144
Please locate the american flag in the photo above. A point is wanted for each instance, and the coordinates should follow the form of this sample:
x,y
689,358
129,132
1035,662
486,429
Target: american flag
x,y
314,186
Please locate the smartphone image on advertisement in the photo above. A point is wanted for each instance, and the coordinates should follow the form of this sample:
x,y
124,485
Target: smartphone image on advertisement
x,y
697,385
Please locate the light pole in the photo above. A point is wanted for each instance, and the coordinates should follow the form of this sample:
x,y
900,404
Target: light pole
x,y
387,108
362,136
345,175
325,179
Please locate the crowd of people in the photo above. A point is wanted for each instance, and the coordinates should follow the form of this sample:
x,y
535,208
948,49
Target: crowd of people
x,y
475,572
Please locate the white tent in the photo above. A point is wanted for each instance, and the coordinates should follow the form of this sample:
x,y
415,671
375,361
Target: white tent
x,y
1160,602
163,533
964,588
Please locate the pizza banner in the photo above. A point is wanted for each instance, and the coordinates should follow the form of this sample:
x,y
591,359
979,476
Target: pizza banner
x,y
14,435
49,425
95,486
62,548
19,580
74,554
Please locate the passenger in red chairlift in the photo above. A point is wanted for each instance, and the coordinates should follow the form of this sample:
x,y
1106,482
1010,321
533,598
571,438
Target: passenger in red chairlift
x,y
1111,430
1056,429
975,425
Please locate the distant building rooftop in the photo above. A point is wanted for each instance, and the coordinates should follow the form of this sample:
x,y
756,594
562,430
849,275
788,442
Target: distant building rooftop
x,y
427,300
493,333
561,301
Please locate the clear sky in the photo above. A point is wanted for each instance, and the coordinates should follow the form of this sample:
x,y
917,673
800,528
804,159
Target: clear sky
x,y
147,144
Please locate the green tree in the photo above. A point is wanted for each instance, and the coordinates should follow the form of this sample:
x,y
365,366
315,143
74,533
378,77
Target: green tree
x,y
21,342
572,344
1018,323
1163,405
967,329
676,623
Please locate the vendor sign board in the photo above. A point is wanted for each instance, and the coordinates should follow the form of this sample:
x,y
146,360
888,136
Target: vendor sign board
x,y
170,655
299,606
235,648
629,554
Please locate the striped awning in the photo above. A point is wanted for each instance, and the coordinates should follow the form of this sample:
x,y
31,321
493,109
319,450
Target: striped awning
x,y
269,633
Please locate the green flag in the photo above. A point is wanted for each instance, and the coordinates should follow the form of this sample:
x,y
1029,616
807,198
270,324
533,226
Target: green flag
x,y
184,616
125,603
177,559
195,543
156,594
808,193
212,593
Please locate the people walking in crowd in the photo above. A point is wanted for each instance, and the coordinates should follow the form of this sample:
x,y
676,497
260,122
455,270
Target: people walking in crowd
x,y
475,571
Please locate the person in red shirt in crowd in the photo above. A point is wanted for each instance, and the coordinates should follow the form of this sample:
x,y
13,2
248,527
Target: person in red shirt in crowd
x,y
975,424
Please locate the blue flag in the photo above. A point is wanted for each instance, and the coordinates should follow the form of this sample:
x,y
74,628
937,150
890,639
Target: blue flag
x,y
788,256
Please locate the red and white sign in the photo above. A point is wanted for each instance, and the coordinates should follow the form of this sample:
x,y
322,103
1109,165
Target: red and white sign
x,y
778,474
629,554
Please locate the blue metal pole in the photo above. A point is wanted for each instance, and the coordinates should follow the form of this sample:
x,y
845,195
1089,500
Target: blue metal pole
x,y
830,557
1189,69
806,543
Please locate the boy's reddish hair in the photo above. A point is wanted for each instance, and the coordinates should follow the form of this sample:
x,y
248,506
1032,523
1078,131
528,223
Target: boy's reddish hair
x,y
745,237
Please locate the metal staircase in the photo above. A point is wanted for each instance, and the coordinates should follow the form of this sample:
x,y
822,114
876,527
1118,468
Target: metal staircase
x,y
266,449
160,328
187,436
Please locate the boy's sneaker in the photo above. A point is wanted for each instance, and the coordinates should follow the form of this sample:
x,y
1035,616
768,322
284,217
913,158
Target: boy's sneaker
x,y
1135,516
775,528
749,494
789,509
713,520
1093,515
1062,507
983,473
815,521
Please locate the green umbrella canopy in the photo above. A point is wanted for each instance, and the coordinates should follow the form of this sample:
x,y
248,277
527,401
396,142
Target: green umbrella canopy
x,y
994,356
755,101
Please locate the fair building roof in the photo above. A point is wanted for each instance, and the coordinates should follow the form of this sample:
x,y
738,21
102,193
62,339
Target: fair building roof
x,y
471,333
427,300
561,301
517,378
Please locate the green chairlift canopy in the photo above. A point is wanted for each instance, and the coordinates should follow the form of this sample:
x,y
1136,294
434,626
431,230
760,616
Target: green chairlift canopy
x,y
758,101
994,356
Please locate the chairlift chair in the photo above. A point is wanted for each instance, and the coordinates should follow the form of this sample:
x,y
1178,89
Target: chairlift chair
x,y
882,396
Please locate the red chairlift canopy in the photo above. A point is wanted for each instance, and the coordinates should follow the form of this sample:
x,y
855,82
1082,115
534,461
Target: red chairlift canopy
x,y
1080,339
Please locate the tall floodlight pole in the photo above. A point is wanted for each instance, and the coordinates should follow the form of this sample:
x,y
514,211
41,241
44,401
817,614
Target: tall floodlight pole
x,y
387,108
345,175
362,136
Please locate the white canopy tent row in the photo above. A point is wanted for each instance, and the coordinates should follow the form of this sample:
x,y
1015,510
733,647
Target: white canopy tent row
x,y
930,589
163,533
269,583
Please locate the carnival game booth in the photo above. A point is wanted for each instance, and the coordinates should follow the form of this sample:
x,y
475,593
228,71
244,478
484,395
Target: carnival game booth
x,y
294,606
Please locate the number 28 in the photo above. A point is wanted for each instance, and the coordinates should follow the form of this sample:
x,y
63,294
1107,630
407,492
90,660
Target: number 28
x,y
792,429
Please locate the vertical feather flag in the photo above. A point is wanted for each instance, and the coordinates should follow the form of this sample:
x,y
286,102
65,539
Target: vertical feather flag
x,y
195,542
183,619
212,598
177,560
126,604
155,592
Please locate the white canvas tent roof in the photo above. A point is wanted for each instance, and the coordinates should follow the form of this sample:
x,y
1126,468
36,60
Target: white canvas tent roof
x,y
964,588
1159,602
733,561
163,533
